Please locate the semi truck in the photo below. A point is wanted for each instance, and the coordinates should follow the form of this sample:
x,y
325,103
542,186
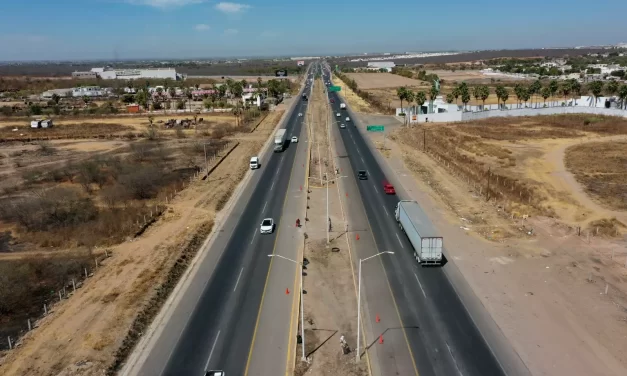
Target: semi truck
x,y
343,106
421,234
279,140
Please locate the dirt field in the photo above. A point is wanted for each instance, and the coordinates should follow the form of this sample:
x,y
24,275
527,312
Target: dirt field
x,y
356,102
331,296
526,154
84,332
366,81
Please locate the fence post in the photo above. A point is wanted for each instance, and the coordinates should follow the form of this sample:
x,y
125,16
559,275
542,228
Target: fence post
x,y
73,285
86,275
45,309
31,328
10,344
60,297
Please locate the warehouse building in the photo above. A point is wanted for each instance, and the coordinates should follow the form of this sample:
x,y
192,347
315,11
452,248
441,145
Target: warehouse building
x,y
377,65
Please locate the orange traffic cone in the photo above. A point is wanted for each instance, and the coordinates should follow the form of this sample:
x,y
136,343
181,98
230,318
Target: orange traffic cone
x,y
378,318
287,291
381,339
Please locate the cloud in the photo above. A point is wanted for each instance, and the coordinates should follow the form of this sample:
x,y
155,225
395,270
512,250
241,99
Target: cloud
x,y
165,3
202,27
269,34
231,8
231,31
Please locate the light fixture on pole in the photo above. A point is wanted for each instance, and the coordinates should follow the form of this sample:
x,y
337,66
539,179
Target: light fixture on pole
x,y
359,299
302,305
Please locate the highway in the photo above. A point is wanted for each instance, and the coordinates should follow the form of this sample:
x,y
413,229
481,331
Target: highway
x,y
214,322
441,335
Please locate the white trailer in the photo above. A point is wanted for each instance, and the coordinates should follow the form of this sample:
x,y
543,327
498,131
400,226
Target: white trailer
x,y
279,140
422,236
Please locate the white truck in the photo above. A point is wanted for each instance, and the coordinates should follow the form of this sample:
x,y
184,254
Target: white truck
x,y
343,106
422,236
279,140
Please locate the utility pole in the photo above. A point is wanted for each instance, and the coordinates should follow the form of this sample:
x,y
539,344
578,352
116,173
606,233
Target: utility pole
x,y
424,139
487,191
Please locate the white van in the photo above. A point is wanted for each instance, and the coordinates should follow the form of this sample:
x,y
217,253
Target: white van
x,y
254,163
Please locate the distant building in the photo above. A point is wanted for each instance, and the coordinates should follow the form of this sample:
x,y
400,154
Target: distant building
x,y
63,93
377,65
133,74
90,91
84,75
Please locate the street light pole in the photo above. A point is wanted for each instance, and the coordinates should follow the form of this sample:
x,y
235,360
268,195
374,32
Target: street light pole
x,y
302,303
359,300
327,183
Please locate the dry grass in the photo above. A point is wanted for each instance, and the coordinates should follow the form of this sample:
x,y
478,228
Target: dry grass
x,y
366,81
85,130
601,167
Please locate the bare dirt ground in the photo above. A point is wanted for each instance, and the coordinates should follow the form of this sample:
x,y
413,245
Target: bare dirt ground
x,y
366,81
83,333
330,302
559,298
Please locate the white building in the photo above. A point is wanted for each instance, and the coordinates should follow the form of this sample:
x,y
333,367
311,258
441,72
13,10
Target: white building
x,y
90,91
132,74
376,65
63,93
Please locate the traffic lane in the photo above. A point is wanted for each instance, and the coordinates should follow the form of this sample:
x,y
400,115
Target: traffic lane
x,y
468,350
216,302
273,337
170,331
377,302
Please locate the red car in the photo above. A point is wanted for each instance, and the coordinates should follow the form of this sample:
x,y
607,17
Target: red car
x,y
332,100
388,188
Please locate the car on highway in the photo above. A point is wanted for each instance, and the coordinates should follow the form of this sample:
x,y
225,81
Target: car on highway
x,y
332,100
362,175
300,114
347,118
342,125
388,188
338,115
294,140
267,226
255,163
215,373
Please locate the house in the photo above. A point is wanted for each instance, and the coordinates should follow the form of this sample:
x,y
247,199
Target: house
x,y
89,91
41,123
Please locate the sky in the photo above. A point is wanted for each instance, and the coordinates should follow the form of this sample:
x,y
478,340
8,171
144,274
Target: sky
x,y
168,29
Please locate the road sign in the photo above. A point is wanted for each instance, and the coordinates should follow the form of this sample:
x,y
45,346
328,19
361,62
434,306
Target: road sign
x,y
375,128
280,73
335,88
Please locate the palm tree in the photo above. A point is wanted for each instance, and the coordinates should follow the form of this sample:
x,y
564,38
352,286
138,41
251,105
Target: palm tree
x,y
449,98
485,93
409,97
575,88
596,88
553,87
545,93
420,97
565,89
611,88
456,93
499,92
622,94
504,95
401,93
476,92
534,89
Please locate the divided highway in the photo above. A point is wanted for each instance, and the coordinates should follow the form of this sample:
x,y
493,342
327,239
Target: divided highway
x,y
213,324
442,336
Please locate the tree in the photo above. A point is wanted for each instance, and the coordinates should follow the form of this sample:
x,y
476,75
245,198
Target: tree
x,y
464,93
519,91
525,96
237,89
456,93
485,93
172,92
535,88
622,94
553,87
420,97
401,93
476,92
596,88
141,98
575,88
433,93
56,98
565,89
449,98
545,93
611,88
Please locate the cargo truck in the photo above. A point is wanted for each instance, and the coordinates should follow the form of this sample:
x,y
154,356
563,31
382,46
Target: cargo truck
x,y
279,140
422,236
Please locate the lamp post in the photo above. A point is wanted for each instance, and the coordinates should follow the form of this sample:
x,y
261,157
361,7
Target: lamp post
x,y
327,183
359,299
302,304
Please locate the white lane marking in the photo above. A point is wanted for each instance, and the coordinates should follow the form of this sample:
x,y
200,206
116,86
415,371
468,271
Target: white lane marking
x,y
362,159
386,211
376,190
211,352
253,239
264,206
454,360
238,277
272,187
399,241
419,284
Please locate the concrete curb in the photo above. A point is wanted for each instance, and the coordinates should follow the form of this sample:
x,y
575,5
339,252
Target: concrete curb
x,y
149,338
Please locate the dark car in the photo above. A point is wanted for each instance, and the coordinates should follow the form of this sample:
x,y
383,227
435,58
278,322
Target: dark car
x,y
362,174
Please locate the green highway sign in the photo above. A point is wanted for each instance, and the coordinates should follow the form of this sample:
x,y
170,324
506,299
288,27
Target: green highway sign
x,y
335,88
375,128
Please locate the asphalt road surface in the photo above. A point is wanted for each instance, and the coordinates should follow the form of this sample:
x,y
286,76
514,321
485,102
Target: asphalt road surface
x,y
213,325
442,336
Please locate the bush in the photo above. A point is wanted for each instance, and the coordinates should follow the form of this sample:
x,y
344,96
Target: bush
x,y
52,209
143,183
